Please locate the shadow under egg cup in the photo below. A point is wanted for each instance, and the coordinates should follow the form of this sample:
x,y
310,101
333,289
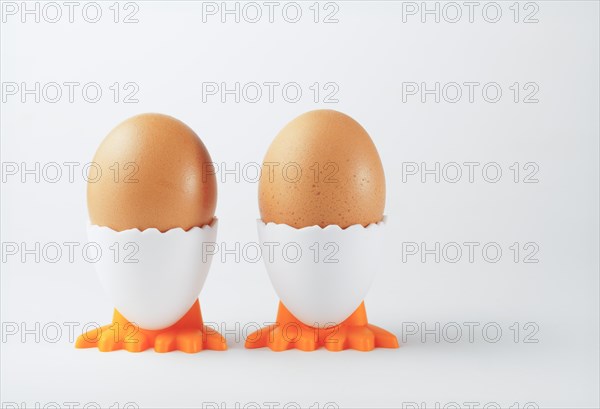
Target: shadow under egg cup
x,y
321,276
153,279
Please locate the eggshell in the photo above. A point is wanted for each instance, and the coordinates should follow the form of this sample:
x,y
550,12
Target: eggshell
x,y
155,172
322,169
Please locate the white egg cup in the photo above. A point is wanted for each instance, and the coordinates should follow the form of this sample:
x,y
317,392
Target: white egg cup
x,y
153,278
321,275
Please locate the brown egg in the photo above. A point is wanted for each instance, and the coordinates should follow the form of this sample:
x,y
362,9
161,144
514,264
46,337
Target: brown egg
x,y
322,169
155,172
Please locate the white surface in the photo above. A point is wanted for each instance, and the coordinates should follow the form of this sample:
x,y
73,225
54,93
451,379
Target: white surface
x,y
322,274
156,277
369,53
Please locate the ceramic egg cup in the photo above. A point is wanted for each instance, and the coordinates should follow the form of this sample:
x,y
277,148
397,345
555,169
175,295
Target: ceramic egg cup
x,y
154,290
321,291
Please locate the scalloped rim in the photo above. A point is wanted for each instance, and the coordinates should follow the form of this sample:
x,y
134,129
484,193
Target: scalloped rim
x,y
154,230
381,223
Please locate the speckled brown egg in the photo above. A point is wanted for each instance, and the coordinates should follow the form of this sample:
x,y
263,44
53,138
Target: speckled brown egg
x,y
155,172
322,169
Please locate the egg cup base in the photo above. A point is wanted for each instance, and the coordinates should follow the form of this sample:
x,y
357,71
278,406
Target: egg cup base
x,y
189,334
290,333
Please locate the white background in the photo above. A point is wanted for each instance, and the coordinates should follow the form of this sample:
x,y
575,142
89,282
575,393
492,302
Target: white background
x,y
369,53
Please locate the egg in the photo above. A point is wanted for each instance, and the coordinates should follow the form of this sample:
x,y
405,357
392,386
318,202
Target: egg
x,y
151,170
322,169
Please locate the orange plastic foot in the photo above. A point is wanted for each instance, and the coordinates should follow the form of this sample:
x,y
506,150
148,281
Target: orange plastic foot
x,y
189,334
354,333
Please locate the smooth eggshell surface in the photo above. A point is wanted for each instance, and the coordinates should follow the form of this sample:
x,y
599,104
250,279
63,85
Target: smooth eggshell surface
x,y
322,169
155,172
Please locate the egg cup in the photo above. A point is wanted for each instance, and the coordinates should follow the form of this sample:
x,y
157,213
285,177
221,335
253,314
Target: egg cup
x,y
321,284
154,286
